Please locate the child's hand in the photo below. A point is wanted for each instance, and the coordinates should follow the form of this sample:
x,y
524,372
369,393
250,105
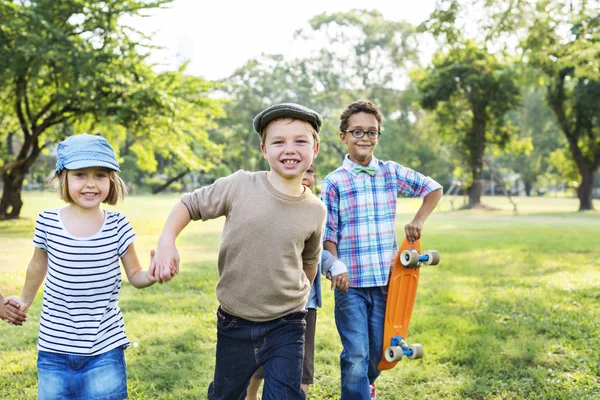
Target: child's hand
x,y
413,230
164,263
13,311
151,277
341,281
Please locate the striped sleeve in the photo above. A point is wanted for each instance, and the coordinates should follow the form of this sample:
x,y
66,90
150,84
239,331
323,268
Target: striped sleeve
x,y
39,234
125,234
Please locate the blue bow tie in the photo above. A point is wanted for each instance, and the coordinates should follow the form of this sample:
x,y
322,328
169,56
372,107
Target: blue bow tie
x,y
368,170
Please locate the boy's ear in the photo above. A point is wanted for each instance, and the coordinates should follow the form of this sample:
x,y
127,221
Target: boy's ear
x,y
263,150
316,150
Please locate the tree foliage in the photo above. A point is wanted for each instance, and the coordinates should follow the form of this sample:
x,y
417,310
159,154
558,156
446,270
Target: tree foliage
x,y
537,136
73,63
564,45
471,91
560,40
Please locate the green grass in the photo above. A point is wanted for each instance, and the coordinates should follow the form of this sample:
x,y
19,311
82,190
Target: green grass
x,y
512,311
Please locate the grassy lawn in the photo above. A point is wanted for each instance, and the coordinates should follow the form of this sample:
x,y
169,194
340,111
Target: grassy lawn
x,y
512,311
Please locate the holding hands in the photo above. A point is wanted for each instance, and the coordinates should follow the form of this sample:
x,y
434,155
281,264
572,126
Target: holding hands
x,y
341,281
12,310
336,271
164,263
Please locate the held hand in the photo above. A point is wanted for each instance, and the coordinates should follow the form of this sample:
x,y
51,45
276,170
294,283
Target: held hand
x,y
341,281
164,263
13,311
149,276
413,230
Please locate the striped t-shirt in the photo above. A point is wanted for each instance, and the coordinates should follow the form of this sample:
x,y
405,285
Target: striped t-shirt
x,y
80,310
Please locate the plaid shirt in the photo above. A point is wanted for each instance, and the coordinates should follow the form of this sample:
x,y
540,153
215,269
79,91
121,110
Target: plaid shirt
x,y
361,215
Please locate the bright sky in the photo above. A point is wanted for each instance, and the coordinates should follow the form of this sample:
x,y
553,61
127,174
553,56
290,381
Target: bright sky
x,y
219,36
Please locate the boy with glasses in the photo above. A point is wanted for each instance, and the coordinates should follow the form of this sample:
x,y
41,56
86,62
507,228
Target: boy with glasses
x,y
360,197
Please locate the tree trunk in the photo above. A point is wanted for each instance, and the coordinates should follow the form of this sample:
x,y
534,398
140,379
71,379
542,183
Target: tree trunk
x,y
476,188
528,187
572,131
11,202
13,174
584,191
477,149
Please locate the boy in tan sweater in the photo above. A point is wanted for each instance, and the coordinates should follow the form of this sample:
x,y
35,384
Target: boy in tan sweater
x,y
270,250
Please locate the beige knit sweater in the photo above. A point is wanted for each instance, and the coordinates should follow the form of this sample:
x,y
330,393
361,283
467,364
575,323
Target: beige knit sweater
x,y
268,240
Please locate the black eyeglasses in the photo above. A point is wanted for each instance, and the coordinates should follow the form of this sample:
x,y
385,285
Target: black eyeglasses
x,y
358,133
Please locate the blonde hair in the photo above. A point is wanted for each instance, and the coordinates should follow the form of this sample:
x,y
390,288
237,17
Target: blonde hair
x,y
263,134
118,188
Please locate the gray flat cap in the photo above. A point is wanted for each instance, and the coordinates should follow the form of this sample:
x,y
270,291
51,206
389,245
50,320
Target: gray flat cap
x,y
287,110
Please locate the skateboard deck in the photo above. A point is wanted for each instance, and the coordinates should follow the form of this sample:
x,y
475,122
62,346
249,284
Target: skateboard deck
x,y
402,291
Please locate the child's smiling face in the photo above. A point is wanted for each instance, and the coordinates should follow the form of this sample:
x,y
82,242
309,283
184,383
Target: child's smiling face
x,y
88,187
289,147
361,150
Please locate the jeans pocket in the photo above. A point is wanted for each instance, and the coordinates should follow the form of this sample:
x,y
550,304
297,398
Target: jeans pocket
x,y
294,318
224,321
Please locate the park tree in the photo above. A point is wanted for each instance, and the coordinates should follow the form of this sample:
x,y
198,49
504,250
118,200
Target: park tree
x,y
471,91
559,39
564,44
73,64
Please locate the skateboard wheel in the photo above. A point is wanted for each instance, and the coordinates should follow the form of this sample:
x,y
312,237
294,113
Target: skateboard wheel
x,y
434,257
393,354
409,257
417,351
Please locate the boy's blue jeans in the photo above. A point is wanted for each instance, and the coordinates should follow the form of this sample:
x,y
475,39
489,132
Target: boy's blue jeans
x,y
359,317
243,346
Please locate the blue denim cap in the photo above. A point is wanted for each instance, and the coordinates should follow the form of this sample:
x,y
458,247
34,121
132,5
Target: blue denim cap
x,y
84,151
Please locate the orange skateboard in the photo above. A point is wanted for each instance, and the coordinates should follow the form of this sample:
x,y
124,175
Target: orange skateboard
x,y
402,290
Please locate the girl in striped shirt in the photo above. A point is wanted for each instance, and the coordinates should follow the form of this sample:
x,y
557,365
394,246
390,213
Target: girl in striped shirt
x,y
77,251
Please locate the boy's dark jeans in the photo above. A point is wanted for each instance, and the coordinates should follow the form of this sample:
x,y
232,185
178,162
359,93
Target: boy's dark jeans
x,y
243,346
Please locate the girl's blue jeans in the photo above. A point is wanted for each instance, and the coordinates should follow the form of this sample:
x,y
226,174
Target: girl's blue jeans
x,y
73,377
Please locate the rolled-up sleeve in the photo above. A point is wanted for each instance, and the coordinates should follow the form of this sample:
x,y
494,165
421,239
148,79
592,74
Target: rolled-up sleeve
x,y
211,201
412,183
